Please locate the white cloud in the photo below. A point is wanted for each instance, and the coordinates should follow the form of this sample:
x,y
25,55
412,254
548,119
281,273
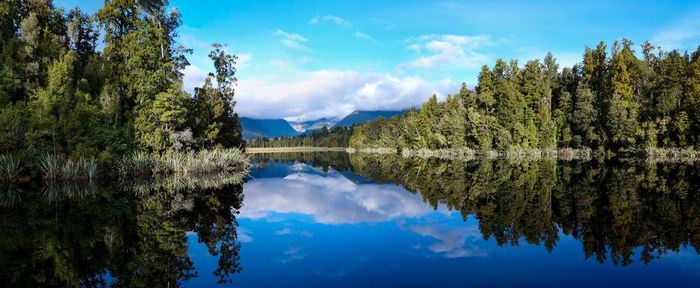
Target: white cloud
x,y
291,40
682,34
193,77
363,36
190,41
333,93
290,63
243,60
415,47
447,51
332,19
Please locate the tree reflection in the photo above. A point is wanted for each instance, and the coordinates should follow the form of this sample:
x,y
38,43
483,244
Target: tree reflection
x,y
616,209
125,237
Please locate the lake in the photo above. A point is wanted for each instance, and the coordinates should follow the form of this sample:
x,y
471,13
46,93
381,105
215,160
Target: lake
x,y
360,220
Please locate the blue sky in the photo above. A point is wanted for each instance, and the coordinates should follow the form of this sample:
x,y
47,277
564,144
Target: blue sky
x,y
312,59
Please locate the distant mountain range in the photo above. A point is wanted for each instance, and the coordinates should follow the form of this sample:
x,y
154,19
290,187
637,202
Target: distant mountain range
x,y
272,128
303,126
359,117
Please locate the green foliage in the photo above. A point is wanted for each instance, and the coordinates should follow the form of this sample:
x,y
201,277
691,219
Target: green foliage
x,y
142,163
58,95
336,137
9,167
617,104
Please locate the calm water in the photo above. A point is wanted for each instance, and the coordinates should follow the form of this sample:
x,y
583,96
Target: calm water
x,y
332,219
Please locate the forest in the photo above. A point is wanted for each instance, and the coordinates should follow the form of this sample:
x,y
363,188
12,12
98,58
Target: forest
x,y
614,102
107,84
337,137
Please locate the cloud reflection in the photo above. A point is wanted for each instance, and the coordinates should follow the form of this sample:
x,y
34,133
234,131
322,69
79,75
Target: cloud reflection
x,y
452,242
329,199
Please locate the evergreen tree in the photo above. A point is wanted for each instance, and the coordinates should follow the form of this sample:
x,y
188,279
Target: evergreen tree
x,y
692,103
215,121
454,123
584,118
623,111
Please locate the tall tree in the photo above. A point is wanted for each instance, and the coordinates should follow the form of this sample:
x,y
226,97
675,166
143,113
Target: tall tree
x,y
216,121
623,111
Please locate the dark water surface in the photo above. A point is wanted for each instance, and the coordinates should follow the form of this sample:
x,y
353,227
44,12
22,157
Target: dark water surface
x,y
339,220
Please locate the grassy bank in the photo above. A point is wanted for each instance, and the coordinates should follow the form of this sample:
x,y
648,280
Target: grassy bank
x,y
57,168
193,163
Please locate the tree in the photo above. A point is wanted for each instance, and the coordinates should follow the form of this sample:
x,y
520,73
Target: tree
x,y
83,34
454,123
52,104
225,66
623,111
485,89
59,95
215,121
584,118
693,95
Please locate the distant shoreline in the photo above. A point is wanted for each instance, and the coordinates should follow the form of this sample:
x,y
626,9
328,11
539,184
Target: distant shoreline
x,y
294,149
647,155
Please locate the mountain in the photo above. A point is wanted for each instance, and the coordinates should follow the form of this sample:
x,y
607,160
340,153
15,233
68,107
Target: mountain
x,y
307,126
359,117
266,128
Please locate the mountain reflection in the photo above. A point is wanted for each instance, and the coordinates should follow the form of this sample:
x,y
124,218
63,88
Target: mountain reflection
x,y
616,210
388,214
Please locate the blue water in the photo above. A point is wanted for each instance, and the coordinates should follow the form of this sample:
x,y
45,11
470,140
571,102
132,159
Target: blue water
x,y
301,226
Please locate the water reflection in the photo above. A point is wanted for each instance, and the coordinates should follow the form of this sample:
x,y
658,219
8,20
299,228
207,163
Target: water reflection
x,y
618,211
68,234
329,198
612,208
357,220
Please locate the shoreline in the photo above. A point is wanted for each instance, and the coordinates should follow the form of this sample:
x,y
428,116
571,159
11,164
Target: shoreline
x,y
260,150
671,155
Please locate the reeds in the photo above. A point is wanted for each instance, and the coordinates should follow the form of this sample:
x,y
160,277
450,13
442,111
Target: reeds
x,y
55,191
58,168
170,163
177,183
9,167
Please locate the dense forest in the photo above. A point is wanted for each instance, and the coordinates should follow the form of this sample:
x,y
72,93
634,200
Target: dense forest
x,y
64,92
339,136
616,103
610,102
